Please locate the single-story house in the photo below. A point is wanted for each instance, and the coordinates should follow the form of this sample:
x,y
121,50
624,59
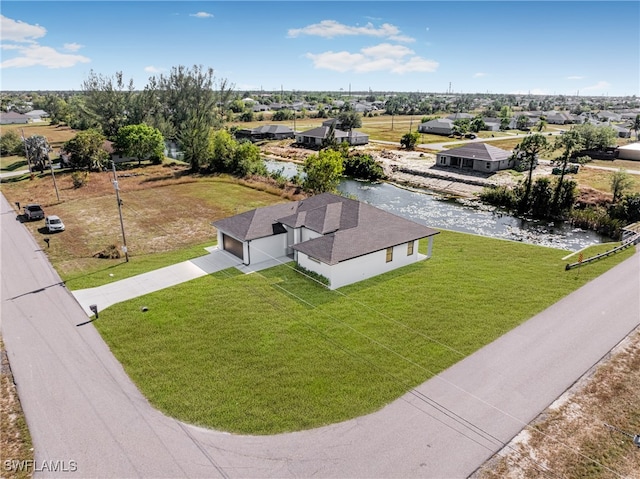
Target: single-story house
x,y
439,126
37,115
476,156
315,136
629,152
460,116
268,132
622,131
13,117
559,118
342,239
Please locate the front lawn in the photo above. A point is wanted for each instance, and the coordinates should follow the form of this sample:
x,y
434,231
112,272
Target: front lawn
x,y
274,351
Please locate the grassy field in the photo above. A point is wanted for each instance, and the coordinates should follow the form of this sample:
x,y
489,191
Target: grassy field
x,y
275,351
164,211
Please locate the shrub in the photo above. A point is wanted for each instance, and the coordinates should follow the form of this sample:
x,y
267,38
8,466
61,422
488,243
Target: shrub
x,y
312,274
79,178
502,196
363,167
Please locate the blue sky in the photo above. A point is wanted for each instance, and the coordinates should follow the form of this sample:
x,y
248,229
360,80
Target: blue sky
x,y
544,47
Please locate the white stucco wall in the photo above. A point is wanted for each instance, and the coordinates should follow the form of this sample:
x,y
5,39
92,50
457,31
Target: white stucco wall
x,y
629,152
363,267
264,249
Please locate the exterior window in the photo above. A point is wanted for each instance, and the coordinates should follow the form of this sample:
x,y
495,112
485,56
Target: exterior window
x,y
389,254
409,248
488,165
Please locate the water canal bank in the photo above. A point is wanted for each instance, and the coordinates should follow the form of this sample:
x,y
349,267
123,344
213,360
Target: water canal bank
x,y
458,214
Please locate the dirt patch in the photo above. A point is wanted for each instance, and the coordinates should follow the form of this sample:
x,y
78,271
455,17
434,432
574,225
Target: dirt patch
x,y
582,435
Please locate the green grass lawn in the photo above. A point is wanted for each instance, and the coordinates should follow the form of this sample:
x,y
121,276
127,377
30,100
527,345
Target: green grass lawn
x,y
274,351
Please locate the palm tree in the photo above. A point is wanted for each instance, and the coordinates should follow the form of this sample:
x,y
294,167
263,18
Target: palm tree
x,y
635,126
528,151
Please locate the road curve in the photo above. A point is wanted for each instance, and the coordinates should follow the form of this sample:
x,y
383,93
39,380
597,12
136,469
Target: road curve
x,y
81,406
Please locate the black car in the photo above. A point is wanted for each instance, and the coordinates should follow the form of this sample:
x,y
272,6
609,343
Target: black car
x,y
33,212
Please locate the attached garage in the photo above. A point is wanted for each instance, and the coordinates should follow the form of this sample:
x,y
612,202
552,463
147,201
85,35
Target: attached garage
x,y
233,246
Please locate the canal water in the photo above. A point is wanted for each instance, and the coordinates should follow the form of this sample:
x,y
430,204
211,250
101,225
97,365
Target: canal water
x,y
467,216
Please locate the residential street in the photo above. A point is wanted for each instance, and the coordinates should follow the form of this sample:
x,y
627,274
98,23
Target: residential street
x,y
81,406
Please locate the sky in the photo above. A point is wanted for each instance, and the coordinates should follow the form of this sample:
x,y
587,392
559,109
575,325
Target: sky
x,y
586,48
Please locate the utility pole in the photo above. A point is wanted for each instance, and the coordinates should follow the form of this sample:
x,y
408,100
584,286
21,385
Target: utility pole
x,y
117,188
53,175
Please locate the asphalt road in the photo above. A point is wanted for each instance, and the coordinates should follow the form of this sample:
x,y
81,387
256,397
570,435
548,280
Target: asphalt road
x,y
86,417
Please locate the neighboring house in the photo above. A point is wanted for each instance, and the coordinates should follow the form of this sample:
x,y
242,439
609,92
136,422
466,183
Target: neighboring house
x,y
492,124
629,152
439,126
476,156
344,240
13,117
459,116
266,132
605,115
622,131
37,115
314,137
559,118
260,107
332,121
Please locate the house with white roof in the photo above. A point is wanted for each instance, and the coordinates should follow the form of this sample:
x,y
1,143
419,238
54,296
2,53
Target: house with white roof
x,y
476,156
341,239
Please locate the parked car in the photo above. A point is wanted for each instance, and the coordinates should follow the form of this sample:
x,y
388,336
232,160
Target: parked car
x,y
33,212
53,223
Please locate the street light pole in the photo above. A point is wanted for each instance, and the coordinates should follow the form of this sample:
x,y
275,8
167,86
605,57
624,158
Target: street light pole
x,y
117,188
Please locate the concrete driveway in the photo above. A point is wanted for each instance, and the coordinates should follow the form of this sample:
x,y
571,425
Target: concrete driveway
x,y
82,407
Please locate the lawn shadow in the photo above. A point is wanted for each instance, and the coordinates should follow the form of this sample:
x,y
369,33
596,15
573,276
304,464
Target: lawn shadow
x,y
303,289
14,166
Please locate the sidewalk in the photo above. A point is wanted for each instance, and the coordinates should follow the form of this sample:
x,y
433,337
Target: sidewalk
x,y
129,288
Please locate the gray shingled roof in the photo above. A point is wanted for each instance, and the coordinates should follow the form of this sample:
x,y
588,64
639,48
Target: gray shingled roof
x,y
478,151
350,228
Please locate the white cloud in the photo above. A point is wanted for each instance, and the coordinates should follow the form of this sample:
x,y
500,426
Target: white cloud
x,y
202,15
152,69
33,55
18,31
574,77
332,29
600,86
29,51
383,57
72,47
479,75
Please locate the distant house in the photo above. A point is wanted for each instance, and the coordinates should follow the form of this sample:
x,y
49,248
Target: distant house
x,y
266,132
622,131
13,117
459,116
476,156
440,126
313,138
37,115
344,240
559,118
